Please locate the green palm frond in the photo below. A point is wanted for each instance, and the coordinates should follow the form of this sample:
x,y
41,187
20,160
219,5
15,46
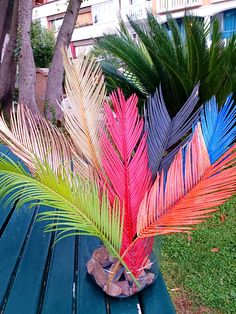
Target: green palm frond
x,y
177,41
118,45
77,206
115,78
177,57
80,210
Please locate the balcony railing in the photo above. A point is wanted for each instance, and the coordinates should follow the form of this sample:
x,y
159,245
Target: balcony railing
x,y
137,11
172,5
100,12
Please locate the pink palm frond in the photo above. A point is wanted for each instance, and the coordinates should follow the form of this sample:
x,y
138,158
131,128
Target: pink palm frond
x,y
125,162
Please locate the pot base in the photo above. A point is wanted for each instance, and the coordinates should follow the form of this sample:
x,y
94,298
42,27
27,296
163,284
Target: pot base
x,y
112,277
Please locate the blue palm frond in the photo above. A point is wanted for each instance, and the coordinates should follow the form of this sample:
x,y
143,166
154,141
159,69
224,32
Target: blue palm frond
x,y
164,132
218,127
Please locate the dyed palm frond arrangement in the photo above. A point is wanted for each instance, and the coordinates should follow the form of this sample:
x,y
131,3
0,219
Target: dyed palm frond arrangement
x,y
125,163
31,136
119,176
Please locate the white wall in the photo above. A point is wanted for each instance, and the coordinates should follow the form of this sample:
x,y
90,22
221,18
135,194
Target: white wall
x,y
50,8
105,10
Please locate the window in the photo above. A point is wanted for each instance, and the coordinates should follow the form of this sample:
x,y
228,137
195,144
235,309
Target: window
x,y
229,23
180,24
55,21
85,45
99,12
84,17
56,24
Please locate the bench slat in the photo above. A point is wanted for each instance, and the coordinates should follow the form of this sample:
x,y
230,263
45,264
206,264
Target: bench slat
x,y
11,244
4,212
90,298
4,150
59,287
155,299
124,306
25,292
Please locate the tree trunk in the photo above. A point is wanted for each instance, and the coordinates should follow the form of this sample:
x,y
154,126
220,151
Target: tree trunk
x,y
8,66
3,12
55,77
27,75
4,23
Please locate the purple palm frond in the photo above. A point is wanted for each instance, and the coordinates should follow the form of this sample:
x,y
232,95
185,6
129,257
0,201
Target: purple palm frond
x,y
164,132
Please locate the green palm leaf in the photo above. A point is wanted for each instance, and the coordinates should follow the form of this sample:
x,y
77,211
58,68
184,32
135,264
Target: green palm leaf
x,y
163,54
80,210
118,45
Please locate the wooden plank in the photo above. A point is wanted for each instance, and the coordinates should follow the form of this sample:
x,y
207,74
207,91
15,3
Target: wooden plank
x,y
12,243
90,298
156,299
124,306
58,297
25,292
4,212
4,149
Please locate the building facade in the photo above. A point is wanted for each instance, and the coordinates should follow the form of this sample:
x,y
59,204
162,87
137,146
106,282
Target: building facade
x,y
97,17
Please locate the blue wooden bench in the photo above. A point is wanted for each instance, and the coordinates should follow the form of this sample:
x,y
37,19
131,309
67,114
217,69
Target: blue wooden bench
x,y
37,277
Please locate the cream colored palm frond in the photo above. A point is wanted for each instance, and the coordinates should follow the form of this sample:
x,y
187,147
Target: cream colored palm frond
x,y
31,137
85,89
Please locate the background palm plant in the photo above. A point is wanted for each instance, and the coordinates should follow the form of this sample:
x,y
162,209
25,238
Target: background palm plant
x,y
178,59
102,184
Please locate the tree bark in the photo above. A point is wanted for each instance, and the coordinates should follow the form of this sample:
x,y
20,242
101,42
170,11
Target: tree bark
x,y
55,76
27,75
4,22
3,12
8,66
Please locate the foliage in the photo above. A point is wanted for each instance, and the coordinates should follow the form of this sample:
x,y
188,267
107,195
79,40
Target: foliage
x,y
101,183
18,44
31,133
202,265
163,132
124,151
178,60
79,210
43,43
82,120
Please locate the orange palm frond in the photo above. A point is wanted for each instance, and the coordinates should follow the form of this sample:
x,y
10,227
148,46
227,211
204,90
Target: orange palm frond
x,y
31,137
189,191
86,92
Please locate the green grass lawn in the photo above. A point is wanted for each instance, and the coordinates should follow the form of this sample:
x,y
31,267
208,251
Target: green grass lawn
x,y
200,268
